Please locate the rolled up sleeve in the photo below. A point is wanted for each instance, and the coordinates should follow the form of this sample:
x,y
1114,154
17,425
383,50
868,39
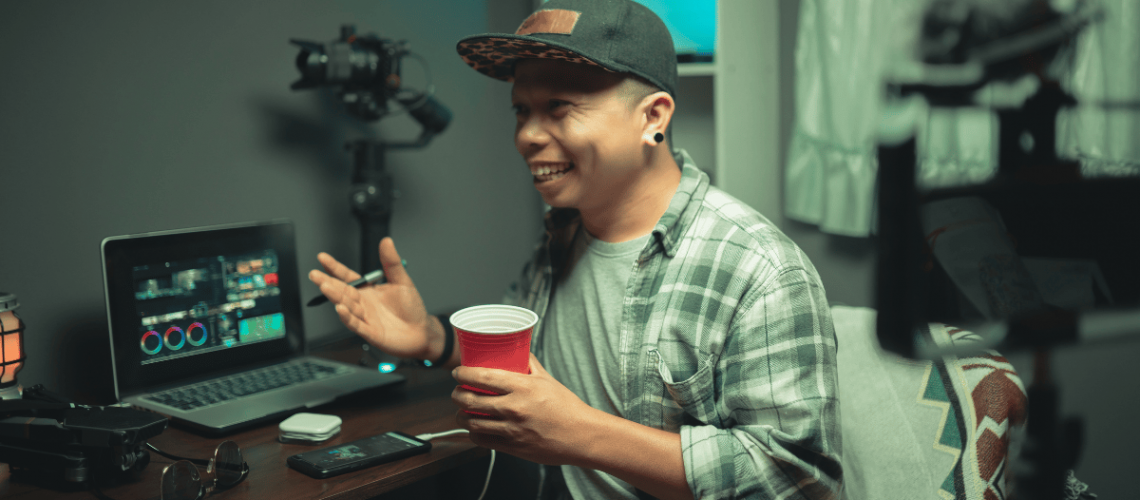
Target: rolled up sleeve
x,y
777,400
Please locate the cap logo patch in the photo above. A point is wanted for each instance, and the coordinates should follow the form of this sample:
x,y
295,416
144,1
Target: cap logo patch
x,y
556,21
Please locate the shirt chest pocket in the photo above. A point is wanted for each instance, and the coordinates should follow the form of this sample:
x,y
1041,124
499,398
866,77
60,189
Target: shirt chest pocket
x,y
686,402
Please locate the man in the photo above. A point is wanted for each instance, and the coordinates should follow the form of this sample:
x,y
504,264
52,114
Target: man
x,y
685,348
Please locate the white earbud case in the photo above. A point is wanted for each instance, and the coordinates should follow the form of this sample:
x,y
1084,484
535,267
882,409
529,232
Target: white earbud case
x,y
309,428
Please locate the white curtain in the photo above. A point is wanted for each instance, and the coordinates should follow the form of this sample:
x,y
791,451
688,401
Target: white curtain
x,y
1106,70
842,49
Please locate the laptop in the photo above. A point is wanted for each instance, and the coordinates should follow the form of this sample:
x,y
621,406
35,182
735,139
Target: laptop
x,y
205,327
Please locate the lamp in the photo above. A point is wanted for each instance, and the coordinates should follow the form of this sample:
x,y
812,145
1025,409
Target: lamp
x,y
11,347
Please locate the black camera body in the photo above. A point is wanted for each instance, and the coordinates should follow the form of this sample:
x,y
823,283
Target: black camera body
x,y
76,443
365,68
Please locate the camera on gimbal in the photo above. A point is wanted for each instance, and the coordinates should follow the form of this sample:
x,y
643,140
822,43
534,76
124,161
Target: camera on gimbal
x,y
366,70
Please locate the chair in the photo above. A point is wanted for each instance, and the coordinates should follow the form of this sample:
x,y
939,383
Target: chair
x,y
921,429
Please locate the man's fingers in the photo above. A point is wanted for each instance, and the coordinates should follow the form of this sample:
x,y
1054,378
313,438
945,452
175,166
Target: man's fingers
x,y
318,277
490,379
336,269
390,259
536,367
337,291
355,305
485,432
351,321
480,404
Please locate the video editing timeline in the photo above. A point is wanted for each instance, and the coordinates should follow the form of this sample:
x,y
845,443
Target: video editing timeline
x,y
207,304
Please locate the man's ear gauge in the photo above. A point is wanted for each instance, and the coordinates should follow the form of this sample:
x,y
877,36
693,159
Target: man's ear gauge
x,y
658,138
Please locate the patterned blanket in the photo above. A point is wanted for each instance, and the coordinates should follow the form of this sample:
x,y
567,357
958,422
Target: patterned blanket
x,y
920,429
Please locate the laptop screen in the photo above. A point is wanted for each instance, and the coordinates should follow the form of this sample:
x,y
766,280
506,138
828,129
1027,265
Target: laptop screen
x,y
191,303
207,304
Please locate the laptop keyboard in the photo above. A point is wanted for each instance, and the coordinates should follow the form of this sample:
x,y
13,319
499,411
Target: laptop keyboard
x,y
220,390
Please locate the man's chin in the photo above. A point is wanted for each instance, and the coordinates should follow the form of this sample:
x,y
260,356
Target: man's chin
x,y
558,200
558,197
555,203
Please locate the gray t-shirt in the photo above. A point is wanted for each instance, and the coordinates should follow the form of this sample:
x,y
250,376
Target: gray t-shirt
x,y
580,349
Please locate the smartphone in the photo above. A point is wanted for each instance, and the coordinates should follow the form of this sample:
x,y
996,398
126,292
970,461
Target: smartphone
x,y
359,454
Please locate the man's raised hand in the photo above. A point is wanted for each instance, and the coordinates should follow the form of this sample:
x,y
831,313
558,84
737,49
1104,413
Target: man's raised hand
x,y
390,316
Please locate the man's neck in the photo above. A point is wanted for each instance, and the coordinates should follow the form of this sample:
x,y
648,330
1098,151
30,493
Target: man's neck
x,y
636,209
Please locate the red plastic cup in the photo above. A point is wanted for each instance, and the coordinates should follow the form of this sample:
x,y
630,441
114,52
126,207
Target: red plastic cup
x,y
494,336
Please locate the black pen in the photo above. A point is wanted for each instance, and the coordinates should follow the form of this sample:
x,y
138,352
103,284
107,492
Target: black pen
x,y
367,279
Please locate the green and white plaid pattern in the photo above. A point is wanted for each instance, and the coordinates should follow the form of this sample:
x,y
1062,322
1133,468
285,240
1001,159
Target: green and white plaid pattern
x,y
727,339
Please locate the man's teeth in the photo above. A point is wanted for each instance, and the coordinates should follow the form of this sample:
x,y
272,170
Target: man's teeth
x,y
547,173
549,169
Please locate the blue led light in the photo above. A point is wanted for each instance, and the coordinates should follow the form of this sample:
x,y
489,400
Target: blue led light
x,y
427,363
386,367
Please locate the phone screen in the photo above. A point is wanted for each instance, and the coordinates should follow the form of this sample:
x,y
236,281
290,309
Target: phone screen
x,y
363,449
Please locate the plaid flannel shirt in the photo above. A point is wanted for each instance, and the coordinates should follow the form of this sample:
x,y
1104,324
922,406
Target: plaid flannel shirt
x,y
726,338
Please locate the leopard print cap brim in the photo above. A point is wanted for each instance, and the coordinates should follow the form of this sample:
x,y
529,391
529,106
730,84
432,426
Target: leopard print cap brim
x,y
496,56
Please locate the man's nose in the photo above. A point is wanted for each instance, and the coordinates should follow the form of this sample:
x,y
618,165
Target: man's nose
x,y
531,134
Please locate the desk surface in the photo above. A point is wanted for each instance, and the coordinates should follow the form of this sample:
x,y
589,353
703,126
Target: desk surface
x,y
422,404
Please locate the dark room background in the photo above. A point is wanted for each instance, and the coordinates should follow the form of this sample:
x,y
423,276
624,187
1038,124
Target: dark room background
x,y
127,117
133,116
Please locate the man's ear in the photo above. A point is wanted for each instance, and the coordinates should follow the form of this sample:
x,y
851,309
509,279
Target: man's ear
x,y
657,109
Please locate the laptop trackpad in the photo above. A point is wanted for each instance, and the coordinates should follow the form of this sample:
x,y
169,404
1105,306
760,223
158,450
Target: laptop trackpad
x,y
301,396
318,394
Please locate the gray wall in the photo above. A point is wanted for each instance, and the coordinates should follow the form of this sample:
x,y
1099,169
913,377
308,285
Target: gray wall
x,y
131,116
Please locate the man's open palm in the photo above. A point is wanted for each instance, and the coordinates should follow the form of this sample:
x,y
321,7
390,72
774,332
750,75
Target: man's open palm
x,y
390,316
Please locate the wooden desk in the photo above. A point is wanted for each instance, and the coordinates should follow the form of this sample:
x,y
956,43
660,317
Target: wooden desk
x,y
422,404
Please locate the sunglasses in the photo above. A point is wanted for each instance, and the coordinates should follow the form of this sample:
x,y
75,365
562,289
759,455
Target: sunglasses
x,y
181,480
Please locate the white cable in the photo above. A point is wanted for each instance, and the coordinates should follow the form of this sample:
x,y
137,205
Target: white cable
x,y
429,436
488,481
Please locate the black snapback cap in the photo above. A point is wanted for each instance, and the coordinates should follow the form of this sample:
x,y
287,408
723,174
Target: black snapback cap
x,y
619,35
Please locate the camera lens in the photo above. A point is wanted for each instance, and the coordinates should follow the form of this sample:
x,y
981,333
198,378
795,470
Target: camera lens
x,y
311,61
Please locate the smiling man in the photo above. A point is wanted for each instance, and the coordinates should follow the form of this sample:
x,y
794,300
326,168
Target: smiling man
x,y
685,348
591,140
